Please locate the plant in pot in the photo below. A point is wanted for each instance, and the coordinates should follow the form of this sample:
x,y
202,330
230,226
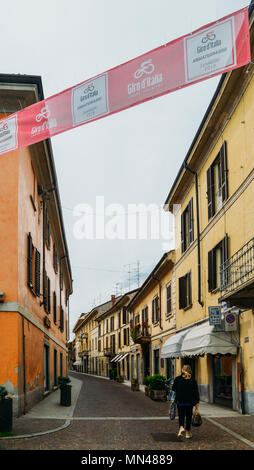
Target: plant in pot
x,y
134,385
5,412
157,384
112,374
147,385
120,379
65,387
134,331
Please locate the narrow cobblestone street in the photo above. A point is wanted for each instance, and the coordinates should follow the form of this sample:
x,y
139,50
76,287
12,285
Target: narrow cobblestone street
x,y
109,416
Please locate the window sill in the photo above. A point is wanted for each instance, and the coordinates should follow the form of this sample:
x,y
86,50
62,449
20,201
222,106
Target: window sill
x,y
187,308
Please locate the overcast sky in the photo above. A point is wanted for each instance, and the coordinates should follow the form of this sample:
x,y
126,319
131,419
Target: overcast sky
x,y
131,157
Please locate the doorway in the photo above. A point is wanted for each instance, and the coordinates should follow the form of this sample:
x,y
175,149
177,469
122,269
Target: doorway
x,y
55,367
170,368
46,368
222,380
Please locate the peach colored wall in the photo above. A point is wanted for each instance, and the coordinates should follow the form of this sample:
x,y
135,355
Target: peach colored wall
x,y
17,219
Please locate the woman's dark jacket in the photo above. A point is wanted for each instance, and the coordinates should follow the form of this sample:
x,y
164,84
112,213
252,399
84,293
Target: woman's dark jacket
x,y
186,391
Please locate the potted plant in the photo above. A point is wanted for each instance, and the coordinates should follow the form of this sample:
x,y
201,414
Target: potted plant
x,y
157,384
134,331
120,379
65,387
134,385
147,385
5,411
112,374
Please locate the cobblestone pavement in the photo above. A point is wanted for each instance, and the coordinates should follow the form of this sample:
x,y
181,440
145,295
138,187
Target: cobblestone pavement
x,y
108,416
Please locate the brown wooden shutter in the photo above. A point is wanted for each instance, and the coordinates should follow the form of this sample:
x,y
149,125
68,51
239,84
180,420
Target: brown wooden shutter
x,y
125,337
183,247
54,306
37,273
211,270
169,298
189,288
29,261
210,192
45,289
224,172
190,222
182,292
226,269
49,297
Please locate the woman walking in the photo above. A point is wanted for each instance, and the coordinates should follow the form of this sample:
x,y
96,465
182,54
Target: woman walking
x,y
187,396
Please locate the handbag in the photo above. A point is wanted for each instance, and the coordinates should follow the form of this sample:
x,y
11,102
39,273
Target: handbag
x,y
196,419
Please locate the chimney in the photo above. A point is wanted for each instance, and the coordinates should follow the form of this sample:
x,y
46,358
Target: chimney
x,y
113,300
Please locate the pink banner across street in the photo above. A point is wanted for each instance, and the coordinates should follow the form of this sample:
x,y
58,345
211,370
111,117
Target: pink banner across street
x,y
214,49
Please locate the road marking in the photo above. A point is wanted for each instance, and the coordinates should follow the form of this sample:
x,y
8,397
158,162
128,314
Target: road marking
x,y
94,418
234,434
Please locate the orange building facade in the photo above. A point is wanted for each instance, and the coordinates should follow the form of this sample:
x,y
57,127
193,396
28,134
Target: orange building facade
x,y
35,272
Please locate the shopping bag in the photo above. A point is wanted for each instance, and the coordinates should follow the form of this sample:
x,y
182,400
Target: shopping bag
x,y
196,419
172,411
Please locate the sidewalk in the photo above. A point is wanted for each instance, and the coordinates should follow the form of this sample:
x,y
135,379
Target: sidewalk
x,y
47,416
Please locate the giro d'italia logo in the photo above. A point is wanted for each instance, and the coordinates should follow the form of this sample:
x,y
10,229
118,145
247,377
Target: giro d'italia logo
x,y
44,114
146,68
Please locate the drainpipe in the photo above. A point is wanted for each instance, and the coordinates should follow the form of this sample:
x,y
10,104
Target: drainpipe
x,y
24,364
241,374
198,234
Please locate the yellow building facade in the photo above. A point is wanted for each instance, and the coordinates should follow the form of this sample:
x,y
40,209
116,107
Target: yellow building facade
x,y
211,200
152,321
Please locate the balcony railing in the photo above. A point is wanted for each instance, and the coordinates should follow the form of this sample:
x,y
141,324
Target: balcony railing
x,y
109,351
237,270
85,352
140,333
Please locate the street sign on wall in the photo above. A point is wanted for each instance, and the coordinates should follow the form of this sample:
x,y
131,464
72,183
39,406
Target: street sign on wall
x,y
230,321
215,315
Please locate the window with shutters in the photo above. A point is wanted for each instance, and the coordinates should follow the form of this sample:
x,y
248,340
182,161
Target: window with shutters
x,y
112,324
48,304
37,273
119,340
137,319
33,267
61,327
29,261
185,297
168,299
124,316
155,310
55,259
187,226
217,184
217,256
125,336
54,308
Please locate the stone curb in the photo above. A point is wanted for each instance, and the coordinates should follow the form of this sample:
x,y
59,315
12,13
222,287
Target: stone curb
x,y
23,436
